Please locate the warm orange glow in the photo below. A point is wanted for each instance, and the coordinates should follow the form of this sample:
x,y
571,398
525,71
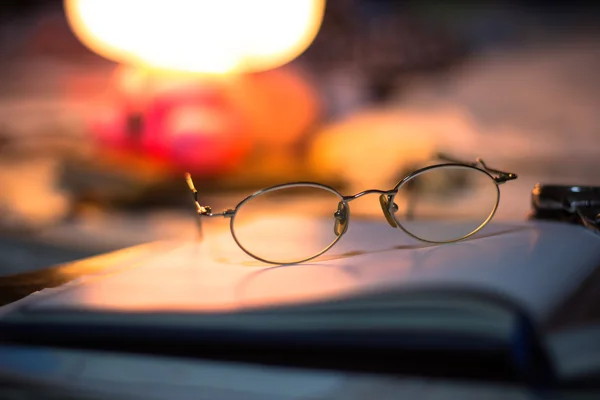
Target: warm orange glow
x,y
207,36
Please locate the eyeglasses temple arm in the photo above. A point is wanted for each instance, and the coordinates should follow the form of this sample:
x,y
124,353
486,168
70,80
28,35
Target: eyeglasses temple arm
x,y
204,211
501,176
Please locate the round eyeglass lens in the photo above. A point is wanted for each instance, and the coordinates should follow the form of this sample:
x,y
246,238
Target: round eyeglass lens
x,y
287,224
447,203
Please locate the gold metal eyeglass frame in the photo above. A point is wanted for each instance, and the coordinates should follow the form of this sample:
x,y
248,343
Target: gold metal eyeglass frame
x,y
342,215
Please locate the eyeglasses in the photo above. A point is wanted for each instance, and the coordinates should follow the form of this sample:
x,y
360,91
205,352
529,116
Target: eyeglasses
x,y
298,221
574,204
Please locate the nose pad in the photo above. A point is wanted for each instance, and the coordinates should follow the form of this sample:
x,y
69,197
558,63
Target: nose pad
x,y
388,206
341,219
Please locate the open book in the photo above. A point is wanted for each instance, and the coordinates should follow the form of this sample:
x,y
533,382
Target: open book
x,y
508,278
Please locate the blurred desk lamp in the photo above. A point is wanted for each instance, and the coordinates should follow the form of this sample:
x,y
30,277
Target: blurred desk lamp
x,y
205,41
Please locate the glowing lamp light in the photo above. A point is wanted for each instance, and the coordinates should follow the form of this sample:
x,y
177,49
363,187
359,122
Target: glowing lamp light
x,y
200,36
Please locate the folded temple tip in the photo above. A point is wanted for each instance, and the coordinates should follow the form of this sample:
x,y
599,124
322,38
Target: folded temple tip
x,y
190,183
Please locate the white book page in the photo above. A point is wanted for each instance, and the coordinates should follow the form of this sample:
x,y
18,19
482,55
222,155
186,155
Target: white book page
x,y
536,264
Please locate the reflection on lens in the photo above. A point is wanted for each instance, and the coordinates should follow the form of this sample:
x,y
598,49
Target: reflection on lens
x,y
445,204
287,224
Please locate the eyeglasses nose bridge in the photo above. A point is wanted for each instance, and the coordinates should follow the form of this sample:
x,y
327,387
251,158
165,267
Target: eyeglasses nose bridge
x,y
388,206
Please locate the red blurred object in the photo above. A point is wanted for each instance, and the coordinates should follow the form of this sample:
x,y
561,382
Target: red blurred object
x,y
209,127
197,129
